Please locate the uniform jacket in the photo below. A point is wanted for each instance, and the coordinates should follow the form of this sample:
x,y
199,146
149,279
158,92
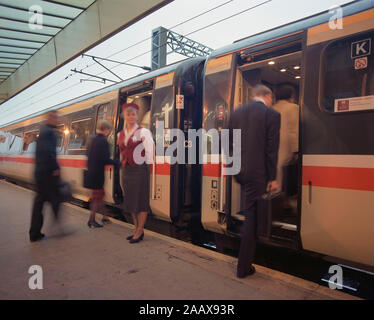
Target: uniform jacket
x,y
127,151
259,142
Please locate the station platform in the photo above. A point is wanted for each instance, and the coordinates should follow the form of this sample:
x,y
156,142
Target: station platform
x,y
83,263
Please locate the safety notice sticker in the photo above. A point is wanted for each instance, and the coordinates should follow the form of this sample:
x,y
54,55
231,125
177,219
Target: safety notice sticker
x,y
361,63
354,104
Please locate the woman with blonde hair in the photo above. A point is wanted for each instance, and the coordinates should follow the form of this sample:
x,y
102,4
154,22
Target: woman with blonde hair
x,y
136,147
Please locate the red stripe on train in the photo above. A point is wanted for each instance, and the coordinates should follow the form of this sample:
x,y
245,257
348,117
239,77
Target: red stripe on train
x,y
161,169
212,170
339,178
17,159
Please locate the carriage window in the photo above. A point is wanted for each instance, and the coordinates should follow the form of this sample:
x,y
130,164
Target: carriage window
x,y
348,75
105,112
15,142
29,141
2,138
79,133
60,135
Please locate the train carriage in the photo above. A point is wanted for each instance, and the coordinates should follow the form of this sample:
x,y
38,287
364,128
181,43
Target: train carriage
x,y
332,206
332,70
173,186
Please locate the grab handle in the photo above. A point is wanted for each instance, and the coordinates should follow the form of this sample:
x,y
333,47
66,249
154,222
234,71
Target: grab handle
x,y
154,177
310,192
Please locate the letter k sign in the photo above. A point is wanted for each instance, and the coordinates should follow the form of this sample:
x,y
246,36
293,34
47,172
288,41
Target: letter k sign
x,y
361,48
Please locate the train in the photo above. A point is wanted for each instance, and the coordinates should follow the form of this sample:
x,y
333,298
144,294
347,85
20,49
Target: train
x,y
332,69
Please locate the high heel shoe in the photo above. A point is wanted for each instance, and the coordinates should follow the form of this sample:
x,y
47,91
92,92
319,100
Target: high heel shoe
x,y
133,240
129,237
94,224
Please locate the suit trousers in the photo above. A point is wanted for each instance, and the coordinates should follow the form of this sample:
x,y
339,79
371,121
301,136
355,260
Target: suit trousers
x,y
46,190
250,195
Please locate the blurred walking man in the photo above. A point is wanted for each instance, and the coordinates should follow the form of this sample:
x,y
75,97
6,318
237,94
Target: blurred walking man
x,y
259,127
47,173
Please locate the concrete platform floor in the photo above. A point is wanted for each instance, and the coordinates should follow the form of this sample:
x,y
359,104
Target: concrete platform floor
x,y
83,263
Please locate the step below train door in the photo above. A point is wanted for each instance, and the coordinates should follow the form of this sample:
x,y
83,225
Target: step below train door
x,y
161,121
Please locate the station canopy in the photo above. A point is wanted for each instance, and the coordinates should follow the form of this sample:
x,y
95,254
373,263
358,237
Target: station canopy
x,y
38,36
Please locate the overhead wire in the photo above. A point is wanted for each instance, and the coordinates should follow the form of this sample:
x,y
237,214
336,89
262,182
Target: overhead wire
x,y
144,53
115,53
170,28
36,94
200,29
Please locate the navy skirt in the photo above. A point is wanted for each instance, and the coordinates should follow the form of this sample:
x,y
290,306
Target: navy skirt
x,y
135,183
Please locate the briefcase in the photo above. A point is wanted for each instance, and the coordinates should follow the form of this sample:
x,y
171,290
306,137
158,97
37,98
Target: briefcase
x,y
64,191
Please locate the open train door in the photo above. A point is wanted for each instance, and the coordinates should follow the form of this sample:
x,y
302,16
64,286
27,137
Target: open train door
x,y
176,109
161,121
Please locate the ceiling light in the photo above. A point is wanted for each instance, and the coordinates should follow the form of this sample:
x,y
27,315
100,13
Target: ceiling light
x,y
136,97
66,131
297,77
296,67
150,93
283,70
271,62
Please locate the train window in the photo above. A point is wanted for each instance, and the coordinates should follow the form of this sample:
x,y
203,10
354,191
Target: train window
x,y
79,133
217,93
29,141
162,106
2,138
348,75
60,135
105,112
4,141
15,141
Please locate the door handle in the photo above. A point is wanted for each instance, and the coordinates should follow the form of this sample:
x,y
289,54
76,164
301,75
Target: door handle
x,y
310,192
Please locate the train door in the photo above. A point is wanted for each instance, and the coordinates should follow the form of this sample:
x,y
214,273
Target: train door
x,y
161,121
217,99
279,68
338,141
186,175
228,84
106,112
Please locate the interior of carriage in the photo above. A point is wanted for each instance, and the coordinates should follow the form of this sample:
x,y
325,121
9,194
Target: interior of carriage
x,y
142,96
276,69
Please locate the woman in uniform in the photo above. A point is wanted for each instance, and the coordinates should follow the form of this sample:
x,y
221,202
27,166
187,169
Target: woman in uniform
x,y
136,147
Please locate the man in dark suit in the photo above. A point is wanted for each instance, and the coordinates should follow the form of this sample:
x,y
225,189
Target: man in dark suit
x,y
47,172
259,127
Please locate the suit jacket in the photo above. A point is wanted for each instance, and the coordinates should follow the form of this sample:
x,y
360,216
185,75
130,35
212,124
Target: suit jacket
x,y
259,142
45,154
